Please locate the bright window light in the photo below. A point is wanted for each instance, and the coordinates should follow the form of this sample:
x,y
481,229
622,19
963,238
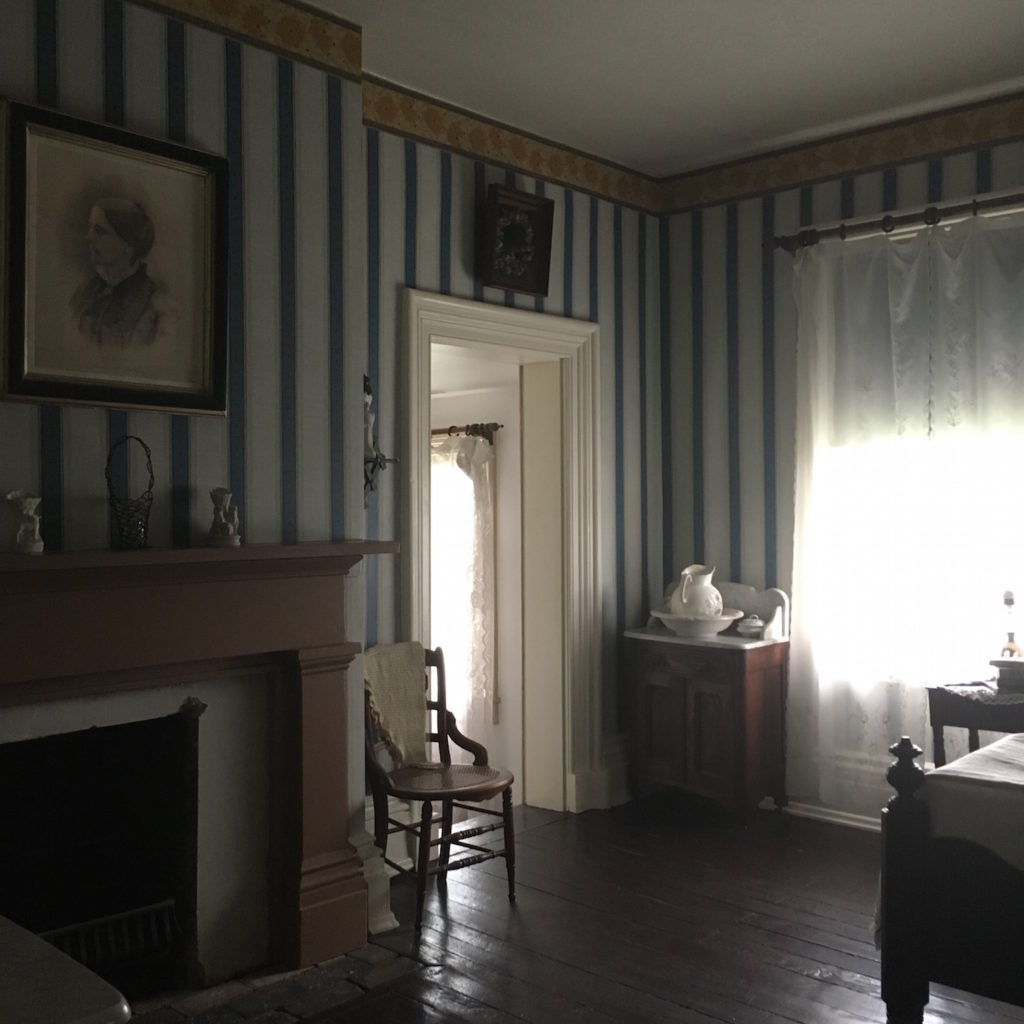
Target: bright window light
x,y
914,544
451,578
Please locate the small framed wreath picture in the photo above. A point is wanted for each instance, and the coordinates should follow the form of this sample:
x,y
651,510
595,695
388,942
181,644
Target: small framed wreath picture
x,y
514,240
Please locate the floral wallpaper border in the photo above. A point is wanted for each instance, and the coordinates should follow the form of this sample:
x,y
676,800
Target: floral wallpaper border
x,y
406,113
291,29
393,109
928,136
307,34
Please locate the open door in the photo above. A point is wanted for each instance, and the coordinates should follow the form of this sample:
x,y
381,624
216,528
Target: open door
x,y
525,338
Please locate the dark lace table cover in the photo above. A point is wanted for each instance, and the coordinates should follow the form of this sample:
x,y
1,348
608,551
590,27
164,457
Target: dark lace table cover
x,y
987,693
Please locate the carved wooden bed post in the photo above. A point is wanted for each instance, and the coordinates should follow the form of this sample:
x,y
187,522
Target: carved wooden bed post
x,y
903,906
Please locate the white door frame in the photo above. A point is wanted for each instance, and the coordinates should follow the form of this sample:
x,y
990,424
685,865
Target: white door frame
x,y
520,336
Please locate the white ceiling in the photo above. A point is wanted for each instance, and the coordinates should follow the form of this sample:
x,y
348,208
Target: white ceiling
x,y
454,369
665,86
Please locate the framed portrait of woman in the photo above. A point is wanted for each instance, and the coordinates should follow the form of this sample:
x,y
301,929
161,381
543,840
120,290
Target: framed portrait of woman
x,y
116,268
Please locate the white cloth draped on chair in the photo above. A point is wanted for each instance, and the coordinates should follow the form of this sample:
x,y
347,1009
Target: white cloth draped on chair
x,y
909,468
396,685
462,574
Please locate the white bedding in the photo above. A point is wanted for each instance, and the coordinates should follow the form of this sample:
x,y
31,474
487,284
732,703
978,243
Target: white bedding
x,y
980,797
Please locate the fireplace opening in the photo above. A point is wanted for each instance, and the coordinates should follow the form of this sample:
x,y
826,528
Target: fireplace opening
x,y
98,847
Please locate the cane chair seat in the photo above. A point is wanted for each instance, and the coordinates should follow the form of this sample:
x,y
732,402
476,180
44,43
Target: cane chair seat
x,y
459,781
392,772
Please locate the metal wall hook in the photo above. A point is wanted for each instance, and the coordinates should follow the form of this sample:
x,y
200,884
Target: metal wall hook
x,y
374,460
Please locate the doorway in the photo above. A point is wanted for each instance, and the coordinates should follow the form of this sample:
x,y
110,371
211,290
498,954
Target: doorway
x,y
573,770
475,569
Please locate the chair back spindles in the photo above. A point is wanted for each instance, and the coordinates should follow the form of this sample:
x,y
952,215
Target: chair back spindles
x,y
449,787
438,704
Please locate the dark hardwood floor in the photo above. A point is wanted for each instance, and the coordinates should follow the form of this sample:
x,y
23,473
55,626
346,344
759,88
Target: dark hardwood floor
x,y
660,911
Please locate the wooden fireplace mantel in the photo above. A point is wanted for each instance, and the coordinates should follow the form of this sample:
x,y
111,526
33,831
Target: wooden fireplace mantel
x,y
86,623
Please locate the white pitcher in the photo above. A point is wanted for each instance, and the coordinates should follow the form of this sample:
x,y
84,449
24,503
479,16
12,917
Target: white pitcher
x,y
695,597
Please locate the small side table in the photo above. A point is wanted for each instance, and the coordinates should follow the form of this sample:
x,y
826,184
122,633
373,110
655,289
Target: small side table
x,y
42,985
972,706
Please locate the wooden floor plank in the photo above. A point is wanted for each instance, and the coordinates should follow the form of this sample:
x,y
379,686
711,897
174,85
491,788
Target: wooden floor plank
x,y
672,967
620,1001
693,898
664,911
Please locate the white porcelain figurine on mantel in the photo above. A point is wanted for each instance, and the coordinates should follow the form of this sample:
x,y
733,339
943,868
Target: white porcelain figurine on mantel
x,y
224,528
27,539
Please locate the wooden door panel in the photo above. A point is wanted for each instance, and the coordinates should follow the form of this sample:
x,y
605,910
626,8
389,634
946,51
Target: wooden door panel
x,y
659,732
711,767
710,720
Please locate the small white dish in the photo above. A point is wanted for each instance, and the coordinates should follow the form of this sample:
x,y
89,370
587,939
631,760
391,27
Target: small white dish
x,y
751,627
696,625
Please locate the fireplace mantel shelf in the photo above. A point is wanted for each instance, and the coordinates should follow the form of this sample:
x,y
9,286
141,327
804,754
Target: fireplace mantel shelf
x,y
245,557
84,624
84,613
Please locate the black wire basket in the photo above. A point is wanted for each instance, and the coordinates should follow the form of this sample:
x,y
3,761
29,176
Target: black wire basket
x,y
131,514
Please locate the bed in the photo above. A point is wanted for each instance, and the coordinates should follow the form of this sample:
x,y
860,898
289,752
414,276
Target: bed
x,y
951,907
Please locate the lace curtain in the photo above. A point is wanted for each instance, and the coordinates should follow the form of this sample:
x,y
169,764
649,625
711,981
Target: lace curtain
x,y
462,597
910,456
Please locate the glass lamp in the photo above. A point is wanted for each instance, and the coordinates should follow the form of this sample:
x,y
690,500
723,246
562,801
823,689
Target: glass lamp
x,y
1010,663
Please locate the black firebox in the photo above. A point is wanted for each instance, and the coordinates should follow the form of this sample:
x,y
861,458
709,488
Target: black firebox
x,y
98,847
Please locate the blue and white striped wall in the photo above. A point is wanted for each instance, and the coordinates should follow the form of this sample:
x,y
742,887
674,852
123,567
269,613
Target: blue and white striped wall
x,y
329,220
730,332
730,322
605,263
290,447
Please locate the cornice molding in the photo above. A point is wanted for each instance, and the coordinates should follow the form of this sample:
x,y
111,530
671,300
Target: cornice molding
x,y
398,110
951,131
298,31
282,25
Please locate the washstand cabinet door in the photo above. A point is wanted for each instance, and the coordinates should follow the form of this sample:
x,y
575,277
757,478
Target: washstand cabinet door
x,y
660,726
711,768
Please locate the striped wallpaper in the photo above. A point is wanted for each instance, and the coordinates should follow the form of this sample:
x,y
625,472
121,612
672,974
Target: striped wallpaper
x,y
330,219
290,446
605,264
728,322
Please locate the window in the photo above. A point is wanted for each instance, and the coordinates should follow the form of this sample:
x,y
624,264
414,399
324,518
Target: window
x,y
462,598
910,457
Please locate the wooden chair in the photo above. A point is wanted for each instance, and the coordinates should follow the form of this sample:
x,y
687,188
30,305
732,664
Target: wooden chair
x,y
438,782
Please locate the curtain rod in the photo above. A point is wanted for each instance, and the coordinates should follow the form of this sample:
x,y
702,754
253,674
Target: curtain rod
x,y
484,430
929,216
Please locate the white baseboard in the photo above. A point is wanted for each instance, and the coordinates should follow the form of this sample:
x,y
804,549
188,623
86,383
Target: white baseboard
x,y
586,791
377,873
845,779
834,817
605,787
378,885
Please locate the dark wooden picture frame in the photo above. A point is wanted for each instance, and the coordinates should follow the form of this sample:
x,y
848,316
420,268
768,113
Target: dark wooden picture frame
x,y
113,266
514,240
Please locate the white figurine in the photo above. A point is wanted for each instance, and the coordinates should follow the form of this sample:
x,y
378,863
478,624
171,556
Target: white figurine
x,y
27,539
224,528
